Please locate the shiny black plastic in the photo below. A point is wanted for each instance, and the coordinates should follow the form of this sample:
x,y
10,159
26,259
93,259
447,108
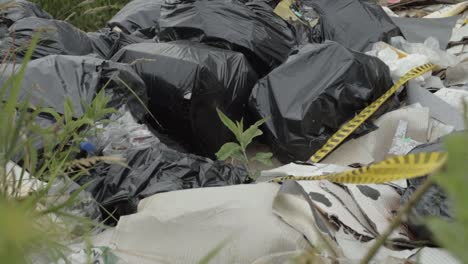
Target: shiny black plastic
x,y
107,42
17,10
56,37
155,170
50,80
252,28
316,91
186,82
138,15
355,24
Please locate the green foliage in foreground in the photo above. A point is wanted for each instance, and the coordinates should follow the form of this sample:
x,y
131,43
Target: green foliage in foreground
x,y
88,15
238,151
33,221
454,180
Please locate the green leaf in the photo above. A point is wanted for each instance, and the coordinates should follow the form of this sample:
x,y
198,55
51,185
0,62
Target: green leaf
x,y
228,150
452,235
264,157
240,125
229,124
251,133
68,110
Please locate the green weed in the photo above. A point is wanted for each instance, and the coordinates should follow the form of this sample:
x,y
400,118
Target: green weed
x,y
238,151
35,221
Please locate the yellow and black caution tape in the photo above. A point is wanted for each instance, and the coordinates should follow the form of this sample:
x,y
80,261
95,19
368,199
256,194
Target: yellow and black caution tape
x,y
348,128
392,169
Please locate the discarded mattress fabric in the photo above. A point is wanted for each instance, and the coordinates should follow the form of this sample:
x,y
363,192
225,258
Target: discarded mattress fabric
x,y
316,91
138,16
187,82
252,28
186,225
50,80
56,37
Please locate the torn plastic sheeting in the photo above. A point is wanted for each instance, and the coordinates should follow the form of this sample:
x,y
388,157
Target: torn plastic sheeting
x,y
355,24
50,80
83,206
56,37
124,133
315,92
186,82
417,30
430,48
19,9
154,170
138,15
252,28
399,62
107,42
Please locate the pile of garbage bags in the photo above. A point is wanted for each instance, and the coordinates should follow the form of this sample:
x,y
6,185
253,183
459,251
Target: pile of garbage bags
x,y
306,67
251,28
318,99
152,167
187,82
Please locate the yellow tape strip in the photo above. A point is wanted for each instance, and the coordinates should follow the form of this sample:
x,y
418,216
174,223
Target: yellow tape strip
x,y
348,128
392,169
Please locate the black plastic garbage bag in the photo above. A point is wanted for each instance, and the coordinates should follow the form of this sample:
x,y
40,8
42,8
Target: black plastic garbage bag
x,y
138,15
271,3
186,82
50,80
12,11
303,18
309,97
252,28
57,37
107,42
154,170
355,24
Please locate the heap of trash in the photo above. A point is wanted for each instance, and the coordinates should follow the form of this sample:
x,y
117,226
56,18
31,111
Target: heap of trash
x,y
307,68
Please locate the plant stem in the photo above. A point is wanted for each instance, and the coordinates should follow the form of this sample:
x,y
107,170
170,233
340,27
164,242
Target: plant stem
x,y
246,162
397,220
